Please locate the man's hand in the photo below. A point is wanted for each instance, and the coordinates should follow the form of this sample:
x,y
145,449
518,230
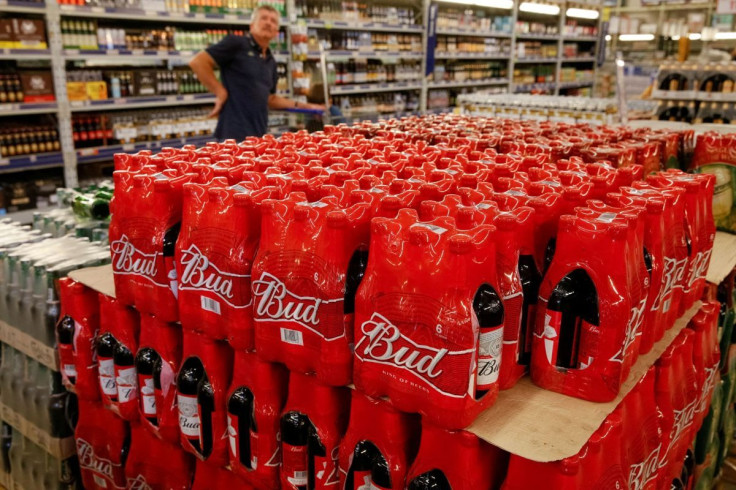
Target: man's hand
x,y
220,99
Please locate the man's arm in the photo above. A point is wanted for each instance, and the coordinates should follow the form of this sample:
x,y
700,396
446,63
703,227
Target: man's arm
x,y
277,102
203,65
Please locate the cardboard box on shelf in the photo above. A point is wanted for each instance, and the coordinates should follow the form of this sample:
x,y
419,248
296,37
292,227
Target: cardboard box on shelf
x,y
38,86
29,34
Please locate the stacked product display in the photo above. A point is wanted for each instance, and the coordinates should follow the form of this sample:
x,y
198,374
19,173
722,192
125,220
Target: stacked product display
x,y
431,262
541,108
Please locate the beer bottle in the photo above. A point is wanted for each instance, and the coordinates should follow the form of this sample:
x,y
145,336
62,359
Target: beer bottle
x,y
125,376
145,361
187,381
206,405
65,332
530,282
317,458
241,427
294,439
488,309
106,345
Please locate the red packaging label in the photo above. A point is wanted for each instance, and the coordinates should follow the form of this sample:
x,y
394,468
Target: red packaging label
x,y
188,416
199,274
128,260
383,343
148,395
66,359
127,387
106,473
294,464
108,385
273,302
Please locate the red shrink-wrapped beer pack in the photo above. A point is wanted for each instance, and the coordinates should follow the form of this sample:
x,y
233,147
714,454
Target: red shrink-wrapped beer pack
x,y
700,230
591,307
214,254
706,356
379,446
76,332
116,344
201,397
597,465
309,263
642,423
455,460
429,319
312,426
677,397
654,324
157,362
103,443
153,463
146,216
255,402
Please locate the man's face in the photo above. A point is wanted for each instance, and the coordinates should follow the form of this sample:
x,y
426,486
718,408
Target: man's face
x,y
265,24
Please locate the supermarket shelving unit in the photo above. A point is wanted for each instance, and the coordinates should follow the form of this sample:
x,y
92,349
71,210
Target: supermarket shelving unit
x,y
70,157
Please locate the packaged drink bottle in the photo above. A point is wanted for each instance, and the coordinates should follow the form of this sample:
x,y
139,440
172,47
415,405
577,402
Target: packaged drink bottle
x,y
582,346
157,362
675,249
455,460
654,253
146,215
153,463
313,422
519,281
301,303
145,360
699,221
399,317
103,443
379,445
106,345
256,399
677,398
187,383
294,439
119,327
642,433
215,251
202,384
65,338
125,375
706,356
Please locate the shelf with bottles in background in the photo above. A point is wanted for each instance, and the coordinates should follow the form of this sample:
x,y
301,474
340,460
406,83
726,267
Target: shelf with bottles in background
x,y
95,130
224,7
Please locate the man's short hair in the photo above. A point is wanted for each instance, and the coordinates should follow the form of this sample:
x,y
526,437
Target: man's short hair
x,y
267,8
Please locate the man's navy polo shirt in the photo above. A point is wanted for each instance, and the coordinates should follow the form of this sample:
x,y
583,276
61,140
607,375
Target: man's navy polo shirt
x,y
249,79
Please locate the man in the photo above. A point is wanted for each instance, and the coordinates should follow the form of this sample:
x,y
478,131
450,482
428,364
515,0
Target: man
x,y
248,73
